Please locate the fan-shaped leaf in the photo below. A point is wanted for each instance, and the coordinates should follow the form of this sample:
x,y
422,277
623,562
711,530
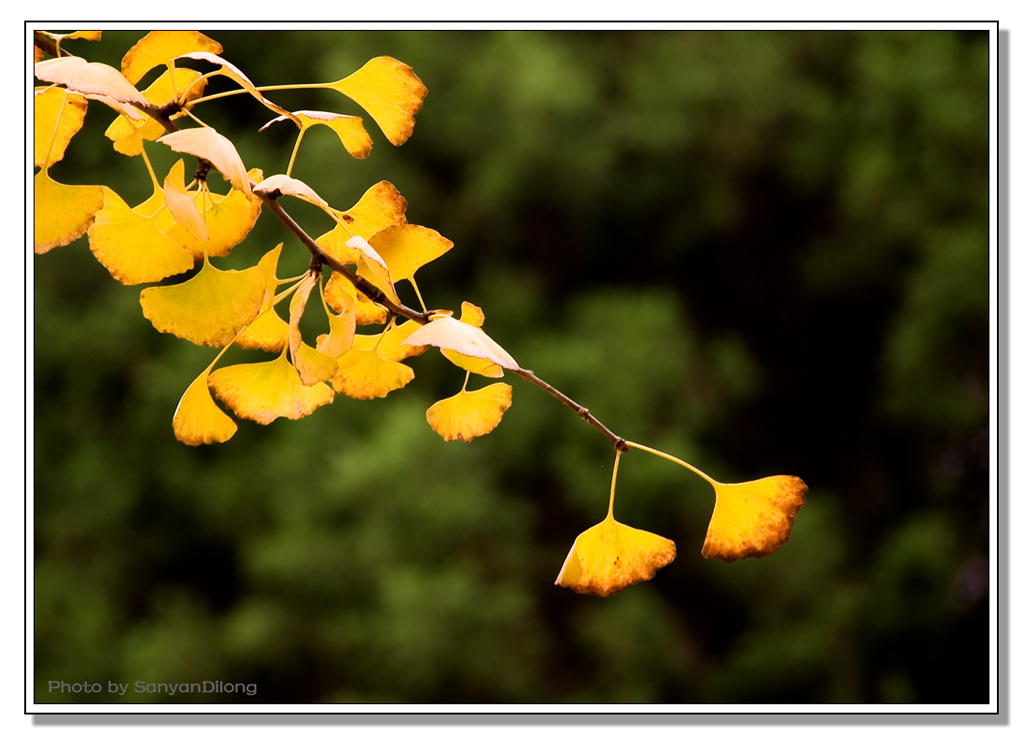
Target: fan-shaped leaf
x,y
268,390
208,144
447,332
63,212
198,420
470,414
160,47
389,91
753,519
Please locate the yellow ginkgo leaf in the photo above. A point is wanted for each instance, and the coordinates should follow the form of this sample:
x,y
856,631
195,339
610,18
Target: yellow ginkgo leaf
x,y
63,212
610,556
389,91
268,390
753,519
130,245
228,219
341,335
208,309
348,128
198,420
159,47
470,414
208,144
59,114
90,78
405,248
464,338
380,206
181,204
362,374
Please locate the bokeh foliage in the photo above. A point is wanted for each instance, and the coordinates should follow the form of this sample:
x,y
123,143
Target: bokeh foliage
x,y
765,252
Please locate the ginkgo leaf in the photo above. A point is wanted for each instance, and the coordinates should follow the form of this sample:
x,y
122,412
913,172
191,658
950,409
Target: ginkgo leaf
x,y
389,91
348,128
611,556
372,267
59,114
362,374
89,77
130,245
198,420
447,332
469,414
63,212
208,144
84,35
405,248
233,72
268,390
228,219
183,85
208,309
380,206
181,204
160,47
278,184
753,519
312,365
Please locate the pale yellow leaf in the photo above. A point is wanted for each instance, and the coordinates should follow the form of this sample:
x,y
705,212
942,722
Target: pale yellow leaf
x,y
89,77
464,338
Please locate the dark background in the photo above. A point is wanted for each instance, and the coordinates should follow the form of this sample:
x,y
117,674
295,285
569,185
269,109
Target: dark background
x,y
764,252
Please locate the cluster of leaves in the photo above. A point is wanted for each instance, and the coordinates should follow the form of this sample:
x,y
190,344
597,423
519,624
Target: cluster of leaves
x,y
354,267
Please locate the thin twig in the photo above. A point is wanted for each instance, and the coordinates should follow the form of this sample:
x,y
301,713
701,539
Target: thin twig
x,y
619,443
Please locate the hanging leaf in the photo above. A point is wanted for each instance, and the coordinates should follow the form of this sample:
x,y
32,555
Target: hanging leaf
x,y
268,390
470,414
208,309
753,519
198,420
611,556
63,212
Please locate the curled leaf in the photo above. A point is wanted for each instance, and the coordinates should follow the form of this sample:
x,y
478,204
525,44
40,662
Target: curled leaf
x,y
464,338
753,519
610,556
208,144
181,204
90,78
348,128
278,184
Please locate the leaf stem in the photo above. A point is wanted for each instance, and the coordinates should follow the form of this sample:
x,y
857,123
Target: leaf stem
x,y
615,475
676,460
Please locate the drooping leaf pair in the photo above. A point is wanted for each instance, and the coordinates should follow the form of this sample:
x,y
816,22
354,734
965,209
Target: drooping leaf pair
x,y
751,519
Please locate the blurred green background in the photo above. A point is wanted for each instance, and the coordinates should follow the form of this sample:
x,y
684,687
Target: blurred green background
x,y
764,252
